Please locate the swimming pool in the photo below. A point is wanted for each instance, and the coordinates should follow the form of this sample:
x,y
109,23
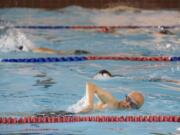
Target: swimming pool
x,y
26,89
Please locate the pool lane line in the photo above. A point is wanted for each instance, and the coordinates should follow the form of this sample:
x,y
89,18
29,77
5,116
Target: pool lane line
x,y
130,58
44,60
95,27
71,119
86,58
175,58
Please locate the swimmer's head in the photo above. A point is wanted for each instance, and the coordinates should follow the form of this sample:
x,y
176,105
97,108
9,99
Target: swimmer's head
x,y
103,74
18,48
81,52
133,100
163,30
106,30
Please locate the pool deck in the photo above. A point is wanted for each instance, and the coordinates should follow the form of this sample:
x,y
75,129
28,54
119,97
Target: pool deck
x,y
55,4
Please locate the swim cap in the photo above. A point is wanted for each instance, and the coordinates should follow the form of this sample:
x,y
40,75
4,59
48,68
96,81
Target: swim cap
x,y
103,74
137,98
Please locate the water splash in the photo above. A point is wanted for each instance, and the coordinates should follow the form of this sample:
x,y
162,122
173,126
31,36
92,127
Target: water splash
x,y
77,107
14,40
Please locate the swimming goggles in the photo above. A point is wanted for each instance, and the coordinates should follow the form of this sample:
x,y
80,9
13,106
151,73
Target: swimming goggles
x,y
131,101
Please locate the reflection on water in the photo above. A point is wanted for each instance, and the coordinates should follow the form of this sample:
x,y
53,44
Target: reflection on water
x,y
45,82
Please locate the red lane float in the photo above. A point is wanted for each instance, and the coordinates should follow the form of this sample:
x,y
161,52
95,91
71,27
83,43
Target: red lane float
x,y
65,119
140,58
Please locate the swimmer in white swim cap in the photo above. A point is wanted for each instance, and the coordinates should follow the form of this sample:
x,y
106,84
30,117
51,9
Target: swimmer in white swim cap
x,y
103,74
134,100
164,31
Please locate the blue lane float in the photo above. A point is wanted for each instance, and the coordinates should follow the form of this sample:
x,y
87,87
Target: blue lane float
x,y
44,60
175,59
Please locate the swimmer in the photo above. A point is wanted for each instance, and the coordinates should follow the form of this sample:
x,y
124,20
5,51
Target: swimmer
x,y
162,30
160,34
14,40
104,74
50,51
106,30
134,100
163,80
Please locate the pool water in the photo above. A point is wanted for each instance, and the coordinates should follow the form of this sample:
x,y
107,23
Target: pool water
x,y
30,88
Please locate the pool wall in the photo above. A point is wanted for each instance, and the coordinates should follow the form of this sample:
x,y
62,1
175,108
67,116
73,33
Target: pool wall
x,y
53,4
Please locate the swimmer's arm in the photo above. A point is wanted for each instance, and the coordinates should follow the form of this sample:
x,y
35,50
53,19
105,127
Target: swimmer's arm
x,y
46,50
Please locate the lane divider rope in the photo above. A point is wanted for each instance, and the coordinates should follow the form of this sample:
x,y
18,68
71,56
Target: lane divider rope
x,y
130,58
63,119
85,58
95,27
44,60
